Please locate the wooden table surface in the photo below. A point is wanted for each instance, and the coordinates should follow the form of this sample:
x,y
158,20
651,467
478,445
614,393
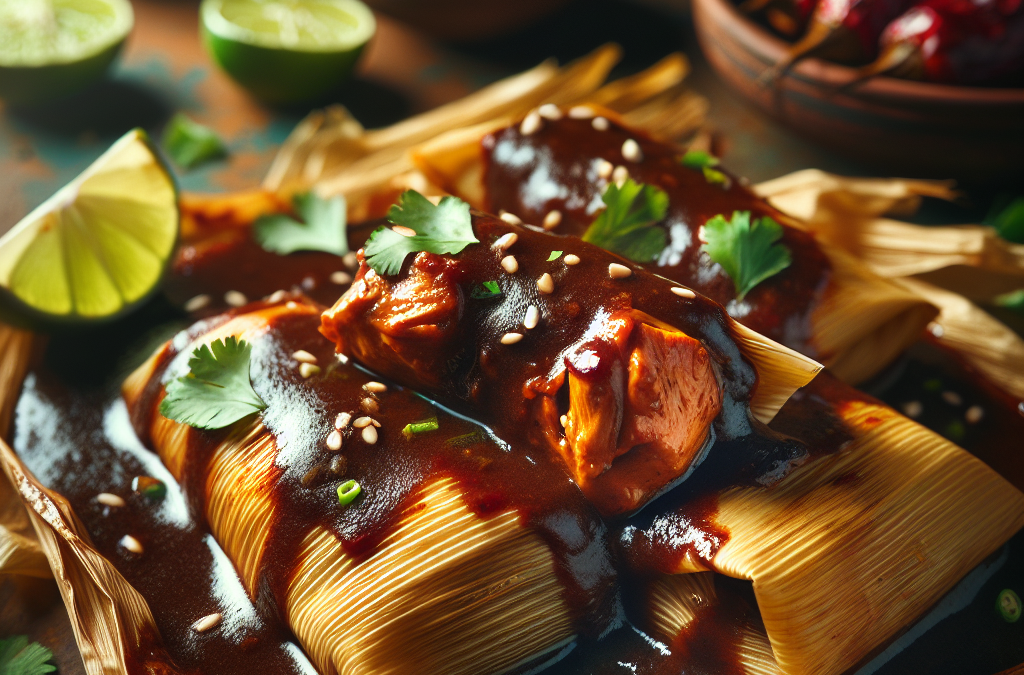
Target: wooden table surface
x,y
164,70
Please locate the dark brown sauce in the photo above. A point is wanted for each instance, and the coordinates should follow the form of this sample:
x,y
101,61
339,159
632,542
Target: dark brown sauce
x,y
555,168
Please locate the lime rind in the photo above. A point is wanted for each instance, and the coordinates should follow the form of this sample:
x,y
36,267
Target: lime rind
x,y
102,242
314,26
35,33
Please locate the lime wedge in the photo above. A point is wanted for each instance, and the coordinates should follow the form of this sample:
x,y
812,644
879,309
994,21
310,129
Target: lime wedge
x,y
50,48
287,51
99,245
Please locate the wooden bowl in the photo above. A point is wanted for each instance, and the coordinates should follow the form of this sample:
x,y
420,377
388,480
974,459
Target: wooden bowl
x,y
900,126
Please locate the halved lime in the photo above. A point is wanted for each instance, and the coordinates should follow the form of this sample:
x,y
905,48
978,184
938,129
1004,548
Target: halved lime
x,y
101,243
287,51
50,48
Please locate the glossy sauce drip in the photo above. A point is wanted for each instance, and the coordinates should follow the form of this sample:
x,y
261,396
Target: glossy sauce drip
x,y
557,168
493,477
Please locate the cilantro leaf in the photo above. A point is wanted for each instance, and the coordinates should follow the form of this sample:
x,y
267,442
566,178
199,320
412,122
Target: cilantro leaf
x,y
189,143
715,177
746,251
1009,221
445,228
19,657
487,289
216,392
628,226
322,229
698,159
1013,300
554,255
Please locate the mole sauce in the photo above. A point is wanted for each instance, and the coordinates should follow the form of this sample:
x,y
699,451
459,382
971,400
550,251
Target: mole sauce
x,y
557,168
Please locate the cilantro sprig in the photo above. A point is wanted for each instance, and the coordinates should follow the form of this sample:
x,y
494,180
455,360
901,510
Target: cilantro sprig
x,y
190,144
628,226
216,392
322,227
18,656
698,159
445,228
746,250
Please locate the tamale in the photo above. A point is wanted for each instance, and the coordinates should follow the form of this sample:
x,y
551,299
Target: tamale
x,y
454,543
623,378
869,534
825,304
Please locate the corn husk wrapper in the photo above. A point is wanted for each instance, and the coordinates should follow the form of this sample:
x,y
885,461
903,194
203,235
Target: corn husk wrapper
x,y
675,601
900,512
109,618
446,591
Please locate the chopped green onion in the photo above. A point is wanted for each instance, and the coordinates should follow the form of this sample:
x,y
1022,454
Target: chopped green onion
x,y
152,489
1008,604
189,143
554,255
698,159
414,428
487,289
348,491
715,177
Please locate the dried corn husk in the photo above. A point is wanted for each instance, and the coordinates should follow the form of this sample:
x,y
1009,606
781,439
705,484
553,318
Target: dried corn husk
x,y
446,591
898,513
675,601
109,618
780,371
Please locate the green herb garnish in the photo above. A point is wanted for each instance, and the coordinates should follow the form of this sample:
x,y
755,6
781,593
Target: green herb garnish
x,y
217,391
151,488
420,427
322,227
1008,605
628,226
715,177
189,143
348,491
698,159
18,656
487,289
1009,221
746,251
445,228
554,255
1013,300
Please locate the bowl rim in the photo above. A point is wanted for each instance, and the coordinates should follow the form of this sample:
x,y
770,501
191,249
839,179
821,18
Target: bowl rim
x,y
771,48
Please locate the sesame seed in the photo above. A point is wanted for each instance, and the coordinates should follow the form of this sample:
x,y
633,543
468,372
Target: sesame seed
x,y
375,387
132,544
913,409
532,317
207,622
683,292
617,271
197,303
235,298
511,338
370,405
599,123
546,284
550,111
571,259
342,420
510,264
303,356
308,370
952,398
580,112
308,284
277,296
375,423
510,218
552,220
564,420
108,499
362,422
370,435
341,278
339,464
403,230
974,414
620,175
604,169
631,151
531,124
351,261
505,241
334,441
